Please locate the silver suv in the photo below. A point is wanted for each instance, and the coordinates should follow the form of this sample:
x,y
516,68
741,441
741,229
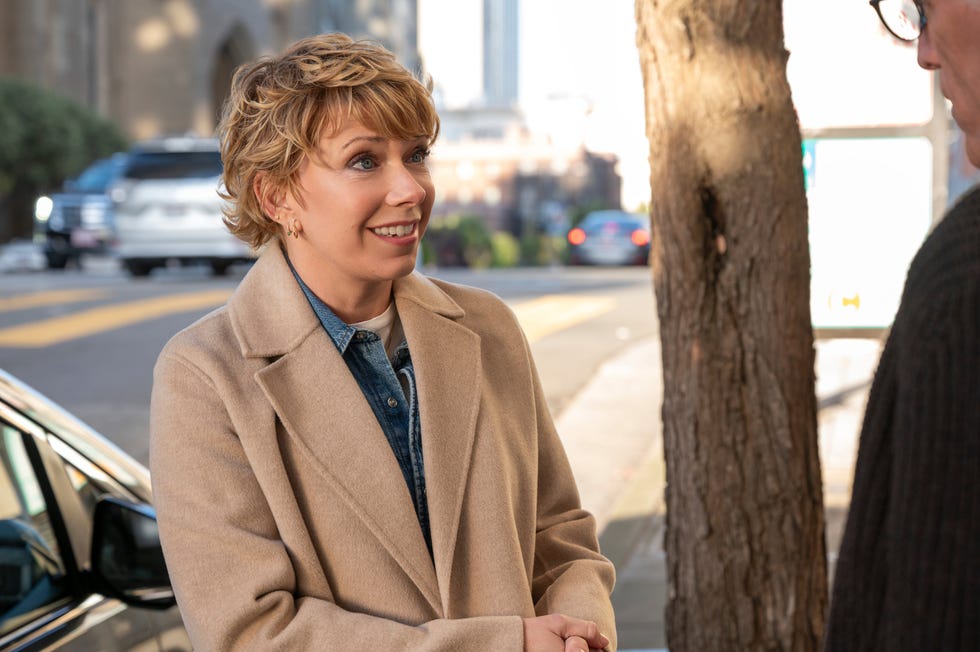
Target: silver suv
x,y
168,209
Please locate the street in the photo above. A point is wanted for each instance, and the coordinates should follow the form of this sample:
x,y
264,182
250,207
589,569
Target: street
x,y
89,338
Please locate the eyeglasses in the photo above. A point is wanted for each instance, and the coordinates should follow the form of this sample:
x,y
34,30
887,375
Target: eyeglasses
x,y
904,19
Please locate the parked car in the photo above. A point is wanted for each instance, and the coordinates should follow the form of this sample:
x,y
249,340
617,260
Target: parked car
x,y
610,237
168,209
80,561
78,219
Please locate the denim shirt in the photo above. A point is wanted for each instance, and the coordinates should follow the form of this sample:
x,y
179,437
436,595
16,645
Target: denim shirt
x,y
379,380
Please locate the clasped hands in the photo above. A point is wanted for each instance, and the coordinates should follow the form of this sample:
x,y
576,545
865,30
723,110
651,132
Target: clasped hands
x,y
558,633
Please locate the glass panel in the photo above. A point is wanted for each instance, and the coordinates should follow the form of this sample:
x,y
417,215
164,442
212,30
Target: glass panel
x,y
902,17
174,165
31,569
97,177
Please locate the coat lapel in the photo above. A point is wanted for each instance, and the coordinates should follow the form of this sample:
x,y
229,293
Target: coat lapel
x,y
322,408
446,357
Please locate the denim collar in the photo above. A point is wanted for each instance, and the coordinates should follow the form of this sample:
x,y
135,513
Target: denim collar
x,y
340,332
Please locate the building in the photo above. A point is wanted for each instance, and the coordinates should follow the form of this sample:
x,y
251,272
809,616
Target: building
x,y
513,181
500,53
487,164
164,66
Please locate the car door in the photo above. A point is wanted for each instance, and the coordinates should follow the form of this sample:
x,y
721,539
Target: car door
x,y
46,602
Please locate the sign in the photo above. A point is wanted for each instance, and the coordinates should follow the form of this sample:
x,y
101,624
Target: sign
x,y
869,212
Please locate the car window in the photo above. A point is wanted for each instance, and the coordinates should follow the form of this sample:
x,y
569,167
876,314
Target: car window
x,y
97,177
88,481
611,226
32,574
174,165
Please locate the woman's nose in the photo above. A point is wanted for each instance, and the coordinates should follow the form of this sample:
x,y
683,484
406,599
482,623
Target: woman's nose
x,y
405,188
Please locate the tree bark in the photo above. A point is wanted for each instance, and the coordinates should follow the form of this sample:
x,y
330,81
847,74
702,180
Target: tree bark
x,y
745,525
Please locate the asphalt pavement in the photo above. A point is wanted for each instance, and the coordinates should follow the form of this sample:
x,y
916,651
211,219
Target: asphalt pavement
x,y
612,434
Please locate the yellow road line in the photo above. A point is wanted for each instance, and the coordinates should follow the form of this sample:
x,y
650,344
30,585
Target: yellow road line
x,y
539,317
36,299
549,314
88,322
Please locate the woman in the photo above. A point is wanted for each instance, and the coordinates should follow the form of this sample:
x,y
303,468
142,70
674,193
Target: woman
x,y
349,455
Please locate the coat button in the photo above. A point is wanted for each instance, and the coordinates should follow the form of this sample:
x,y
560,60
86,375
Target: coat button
x,y
392,402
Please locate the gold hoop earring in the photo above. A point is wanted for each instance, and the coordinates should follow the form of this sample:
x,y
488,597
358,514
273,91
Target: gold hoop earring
x,y
293,230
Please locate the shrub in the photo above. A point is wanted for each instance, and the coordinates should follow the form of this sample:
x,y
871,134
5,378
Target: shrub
x,y
44,139
459,242
506,250
539,248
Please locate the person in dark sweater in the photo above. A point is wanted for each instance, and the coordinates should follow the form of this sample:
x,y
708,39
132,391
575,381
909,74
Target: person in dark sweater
x,y
908,573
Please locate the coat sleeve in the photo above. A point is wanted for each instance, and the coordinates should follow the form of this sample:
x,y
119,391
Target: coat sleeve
x,y
232,574
570,577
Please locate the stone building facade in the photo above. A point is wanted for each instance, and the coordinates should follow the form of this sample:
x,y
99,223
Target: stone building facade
x,y
159,67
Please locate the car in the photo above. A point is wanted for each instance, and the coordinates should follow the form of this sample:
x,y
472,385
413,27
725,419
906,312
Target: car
x,y
168,209
610,237
81,566
78,219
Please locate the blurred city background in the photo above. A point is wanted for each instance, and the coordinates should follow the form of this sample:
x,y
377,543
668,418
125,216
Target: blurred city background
x,y
542,111
542,196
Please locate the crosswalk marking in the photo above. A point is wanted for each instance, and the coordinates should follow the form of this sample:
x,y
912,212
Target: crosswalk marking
x,y
54,297
538,317
96,320
549,314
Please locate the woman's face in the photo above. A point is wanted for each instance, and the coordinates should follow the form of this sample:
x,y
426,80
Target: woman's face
x,y
363,206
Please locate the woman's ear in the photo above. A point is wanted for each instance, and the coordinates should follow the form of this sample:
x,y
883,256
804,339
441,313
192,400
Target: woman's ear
x,y
270,197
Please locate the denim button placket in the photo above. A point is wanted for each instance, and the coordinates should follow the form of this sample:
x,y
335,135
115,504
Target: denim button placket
x,y
365,355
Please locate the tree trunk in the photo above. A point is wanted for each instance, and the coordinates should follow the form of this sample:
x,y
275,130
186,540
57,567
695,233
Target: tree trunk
x,y
745,526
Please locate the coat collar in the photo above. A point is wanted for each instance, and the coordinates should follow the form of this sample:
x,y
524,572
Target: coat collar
x,y
271,315
272,318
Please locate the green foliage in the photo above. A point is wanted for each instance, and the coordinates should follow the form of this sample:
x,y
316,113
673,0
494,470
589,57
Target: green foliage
x,y
506,250
460,242
539,248
465,241
45,139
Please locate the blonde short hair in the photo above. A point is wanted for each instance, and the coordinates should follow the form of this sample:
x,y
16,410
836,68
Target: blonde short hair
x,y
280,106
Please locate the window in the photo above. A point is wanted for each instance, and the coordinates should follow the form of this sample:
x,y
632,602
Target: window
x,y
32,575
174,165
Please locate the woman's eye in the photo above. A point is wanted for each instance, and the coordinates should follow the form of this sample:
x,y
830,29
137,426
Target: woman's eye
x,y
419,156
364,163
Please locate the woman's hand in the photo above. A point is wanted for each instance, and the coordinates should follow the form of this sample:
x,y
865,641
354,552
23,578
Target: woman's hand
x,y
558,633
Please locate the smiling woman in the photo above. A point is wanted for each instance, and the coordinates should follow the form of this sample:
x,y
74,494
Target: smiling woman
x,y
350,454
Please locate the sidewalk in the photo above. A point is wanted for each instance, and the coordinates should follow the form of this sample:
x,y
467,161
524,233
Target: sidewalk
x,y
612,433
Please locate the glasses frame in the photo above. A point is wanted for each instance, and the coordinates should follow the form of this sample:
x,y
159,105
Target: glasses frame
x,y
922,19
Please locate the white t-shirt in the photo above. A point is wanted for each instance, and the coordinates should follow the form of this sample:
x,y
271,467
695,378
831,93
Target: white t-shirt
x,y
386,326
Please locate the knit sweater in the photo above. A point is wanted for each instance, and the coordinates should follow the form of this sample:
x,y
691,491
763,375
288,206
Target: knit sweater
x,y
908,574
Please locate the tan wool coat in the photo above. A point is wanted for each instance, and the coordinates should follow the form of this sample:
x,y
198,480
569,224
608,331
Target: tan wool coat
x,y
285,519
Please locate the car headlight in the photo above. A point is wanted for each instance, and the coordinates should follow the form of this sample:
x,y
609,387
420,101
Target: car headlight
x,y
42,208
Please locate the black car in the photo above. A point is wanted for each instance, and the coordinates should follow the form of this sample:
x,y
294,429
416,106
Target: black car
x,y
80,561
78,219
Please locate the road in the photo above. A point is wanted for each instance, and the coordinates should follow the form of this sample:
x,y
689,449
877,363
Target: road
x,y
88,338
